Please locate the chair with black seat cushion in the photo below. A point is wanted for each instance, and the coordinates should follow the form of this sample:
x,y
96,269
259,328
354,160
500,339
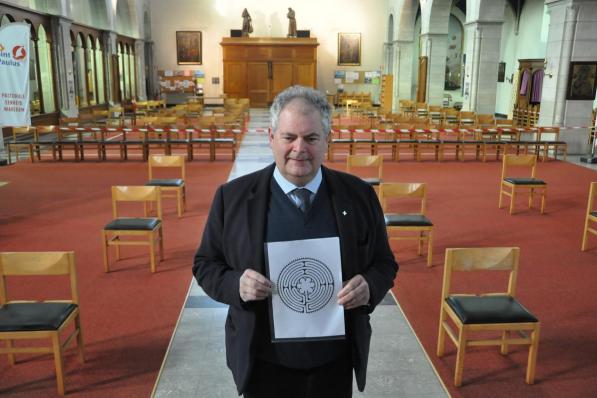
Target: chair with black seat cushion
x,y
35,320
517,183
368,167
485,318
339,137
591,216
175,185
399,223
144,231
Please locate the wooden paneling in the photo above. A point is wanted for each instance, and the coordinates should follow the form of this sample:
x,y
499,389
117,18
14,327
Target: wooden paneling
x,y
259,68
258,86
282,77
235,81
305,74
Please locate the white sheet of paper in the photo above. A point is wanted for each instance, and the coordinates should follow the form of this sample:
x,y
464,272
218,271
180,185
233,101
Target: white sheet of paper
x,y
307,276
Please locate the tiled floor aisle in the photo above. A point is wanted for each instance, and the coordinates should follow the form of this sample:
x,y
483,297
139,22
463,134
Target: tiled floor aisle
x,y
195,366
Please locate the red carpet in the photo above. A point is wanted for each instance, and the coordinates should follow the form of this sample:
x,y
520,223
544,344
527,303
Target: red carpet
x,y
129,314
556,281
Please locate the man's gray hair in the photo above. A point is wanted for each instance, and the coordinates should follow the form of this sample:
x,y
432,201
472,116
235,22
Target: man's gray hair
x,y
311,96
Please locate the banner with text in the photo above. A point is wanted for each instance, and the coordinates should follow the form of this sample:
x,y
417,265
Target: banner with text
x,y
14,75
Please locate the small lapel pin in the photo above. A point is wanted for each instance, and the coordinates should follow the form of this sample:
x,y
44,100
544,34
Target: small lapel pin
x,y
344,212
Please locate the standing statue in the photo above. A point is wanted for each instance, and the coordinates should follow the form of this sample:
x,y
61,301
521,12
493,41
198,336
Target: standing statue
x,y
247,25
291,23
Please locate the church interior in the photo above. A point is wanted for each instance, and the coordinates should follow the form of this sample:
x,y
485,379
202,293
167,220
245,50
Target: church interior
x,y
481,112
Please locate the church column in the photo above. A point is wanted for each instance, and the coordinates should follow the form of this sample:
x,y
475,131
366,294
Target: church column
x,y
403,70
140,73
482,51
63,61
435,47
571,38
110,51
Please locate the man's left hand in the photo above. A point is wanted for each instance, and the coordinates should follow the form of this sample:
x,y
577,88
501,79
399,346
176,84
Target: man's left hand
x,y
355,293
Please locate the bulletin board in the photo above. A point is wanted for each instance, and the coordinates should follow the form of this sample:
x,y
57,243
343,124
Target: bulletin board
x,y
357,77
181,81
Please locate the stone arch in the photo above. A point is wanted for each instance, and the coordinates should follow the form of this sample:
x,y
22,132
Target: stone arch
x,y
126,21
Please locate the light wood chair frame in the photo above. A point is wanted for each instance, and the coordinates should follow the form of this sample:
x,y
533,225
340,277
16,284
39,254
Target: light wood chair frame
x,y
171,162
590,218
144,194
398,190
484,259
16,145
366,161
520,160
43,264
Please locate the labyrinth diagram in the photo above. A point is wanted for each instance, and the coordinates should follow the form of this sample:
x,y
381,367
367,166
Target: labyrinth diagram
x,y
305,285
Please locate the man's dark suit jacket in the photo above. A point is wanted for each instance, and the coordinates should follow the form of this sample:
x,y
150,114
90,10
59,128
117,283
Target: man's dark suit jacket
x,y
233,240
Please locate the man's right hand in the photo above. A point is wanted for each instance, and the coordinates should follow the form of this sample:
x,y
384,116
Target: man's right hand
x,y
254,286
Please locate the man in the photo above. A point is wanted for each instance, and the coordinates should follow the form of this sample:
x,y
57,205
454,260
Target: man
x,y
264,207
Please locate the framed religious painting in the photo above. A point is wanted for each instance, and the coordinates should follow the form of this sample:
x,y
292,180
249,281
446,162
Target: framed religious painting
x,y
582,81
349,48
188,47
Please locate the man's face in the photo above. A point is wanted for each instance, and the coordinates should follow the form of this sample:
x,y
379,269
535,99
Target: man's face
x,y
299,144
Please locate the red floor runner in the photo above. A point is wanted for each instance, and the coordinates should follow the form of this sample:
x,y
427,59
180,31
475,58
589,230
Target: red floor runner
x,y
129,314
556,280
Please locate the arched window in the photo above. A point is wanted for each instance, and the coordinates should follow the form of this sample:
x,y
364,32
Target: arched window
x,y
41,68
78,56
90,71
44,51
133,70
127,72
6,19
121,71
99,68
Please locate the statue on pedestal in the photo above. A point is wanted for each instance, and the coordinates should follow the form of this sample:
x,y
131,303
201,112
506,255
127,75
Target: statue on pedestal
x,y
247,25
291,23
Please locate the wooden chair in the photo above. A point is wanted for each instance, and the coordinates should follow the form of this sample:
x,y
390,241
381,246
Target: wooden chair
x,y
34,320
485,120
515,183
417,222
368,167
467,118
22,138
422,110
148,228
45,138
175,185
435,115
385,142
407,107
451,118
225,139
339,137
591,216
479,314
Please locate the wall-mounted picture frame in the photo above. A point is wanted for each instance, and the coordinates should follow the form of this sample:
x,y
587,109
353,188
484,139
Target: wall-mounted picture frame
x,y
582,81
188,47
501,72
349,48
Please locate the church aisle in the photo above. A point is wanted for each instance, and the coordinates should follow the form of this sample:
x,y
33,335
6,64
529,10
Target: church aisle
x,y
195,364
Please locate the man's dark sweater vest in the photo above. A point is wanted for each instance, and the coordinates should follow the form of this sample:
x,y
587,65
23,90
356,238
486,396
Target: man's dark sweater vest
x,y
286,222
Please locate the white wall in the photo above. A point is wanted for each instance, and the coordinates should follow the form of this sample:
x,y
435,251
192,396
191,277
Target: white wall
x,y
325,19
530,43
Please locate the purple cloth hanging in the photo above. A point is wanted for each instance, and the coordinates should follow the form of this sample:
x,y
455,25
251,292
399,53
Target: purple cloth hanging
x,y
524,82
537,86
